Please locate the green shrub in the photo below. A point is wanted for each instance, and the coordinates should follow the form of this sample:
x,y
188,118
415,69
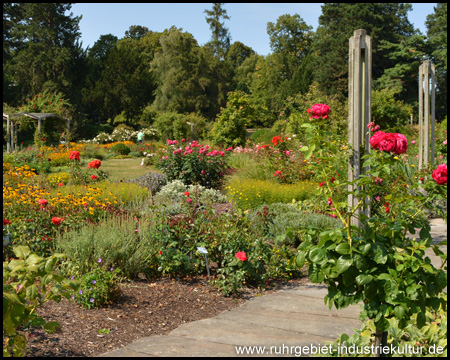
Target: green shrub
x,y
172,125
98,287
248,194
121,149
387,111
230,126
284,222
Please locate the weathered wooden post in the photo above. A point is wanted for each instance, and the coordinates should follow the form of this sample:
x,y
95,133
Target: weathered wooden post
x,y
427,79
8,139
359,107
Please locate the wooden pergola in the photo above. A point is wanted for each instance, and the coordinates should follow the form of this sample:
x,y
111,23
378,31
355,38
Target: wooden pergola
x,y
36,116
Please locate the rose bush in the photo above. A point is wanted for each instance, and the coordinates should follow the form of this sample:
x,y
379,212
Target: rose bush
x,y
376,263
194,164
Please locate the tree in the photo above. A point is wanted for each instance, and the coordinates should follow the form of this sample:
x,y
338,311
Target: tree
x,y
220,41
181,71
382,21
290,39
44,50
136,32
126,84
408,54
237,53
437,38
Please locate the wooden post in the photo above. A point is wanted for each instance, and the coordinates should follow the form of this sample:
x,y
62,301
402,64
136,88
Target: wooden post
x,y
12,135
359,108
8,138
426,108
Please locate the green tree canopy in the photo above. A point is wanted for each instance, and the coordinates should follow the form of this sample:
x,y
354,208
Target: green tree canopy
x,y
382,21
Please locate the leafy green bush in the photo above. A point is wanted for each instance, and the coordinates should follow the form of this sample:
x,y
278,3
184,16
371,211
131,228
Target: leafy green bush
x,y
248,194
387,111
98,287
172,125
21,296
230,126
121,149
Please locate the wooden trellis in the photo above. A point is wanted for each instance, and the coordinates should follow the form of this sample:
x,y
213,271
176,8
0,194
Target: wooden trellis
x,y
10,123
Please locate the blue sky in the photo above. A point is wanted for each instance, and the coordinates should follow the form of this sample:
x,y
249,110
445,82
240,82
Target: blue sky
x,y
247,24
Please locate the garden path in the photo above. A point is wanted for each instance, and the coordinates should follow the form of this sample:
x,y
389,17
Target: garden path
x,y
291,317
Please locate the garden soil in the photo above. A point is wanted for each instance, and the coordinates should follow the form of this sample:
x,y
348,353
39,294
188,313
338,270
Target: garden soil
x,y
145,308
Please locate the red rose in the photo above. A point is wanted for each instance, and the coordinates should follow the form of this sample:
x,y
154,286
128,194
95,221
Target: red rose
x,y
95,164
388,142
187,193
74,155
375,139
93,177
241,255
56,220
189,200
440,174
6,222
42,202
401,144
60,184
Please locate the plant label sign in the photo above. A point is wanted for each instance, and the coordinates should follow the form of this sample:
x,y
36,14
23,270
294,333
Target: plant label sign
x,y
202,250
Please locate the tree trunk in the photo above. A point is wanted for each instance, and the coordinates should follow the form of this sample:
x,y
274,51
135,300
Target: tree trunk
x,y
380,342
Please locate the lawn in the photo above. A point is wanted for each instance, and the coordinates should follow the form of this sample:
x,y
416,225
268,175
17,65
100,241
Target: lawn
x,y
125,169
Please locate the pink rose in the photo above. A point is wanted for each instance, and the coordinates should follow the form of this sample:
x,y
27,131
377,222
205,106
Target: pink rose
x,y
388,142
375,139
440,174
241,255
401,144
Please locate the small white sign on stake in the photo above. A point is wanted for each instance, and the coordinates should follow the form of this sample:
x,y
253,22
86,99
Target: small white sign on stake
x,y
202,250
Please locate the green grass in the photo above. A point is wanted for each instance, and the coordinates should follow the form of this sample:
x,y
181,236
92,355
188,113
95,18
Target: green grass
x,y
125,169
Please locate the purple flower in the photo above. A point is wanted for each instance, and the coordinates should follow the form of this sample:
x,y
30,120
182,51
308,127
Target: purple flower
x,y
91,300
73,297
111,269
73,277
94,282
99,260
80,292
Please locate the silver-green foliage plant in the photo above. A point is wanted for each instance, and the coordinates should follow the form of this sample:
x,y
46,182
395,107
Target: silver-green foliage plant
x,y
29,281
174,192
118,241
